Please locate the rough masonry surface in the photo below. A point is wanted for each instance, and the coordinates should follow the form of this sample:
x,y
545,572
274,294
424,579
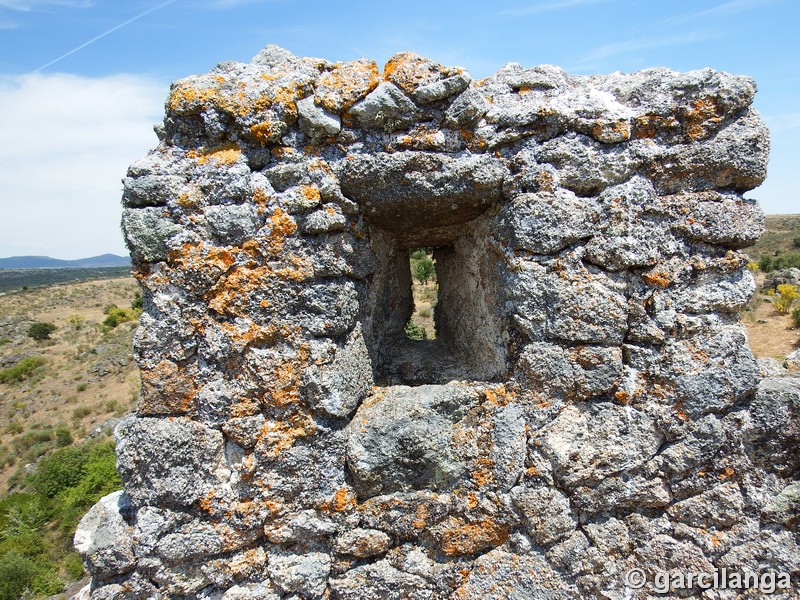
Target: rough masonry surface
x,y
589,405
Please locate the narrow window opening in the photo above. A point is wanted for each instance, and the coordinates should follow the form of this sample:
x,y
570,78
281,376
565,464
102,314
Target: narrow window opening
x,y
435,306
425,292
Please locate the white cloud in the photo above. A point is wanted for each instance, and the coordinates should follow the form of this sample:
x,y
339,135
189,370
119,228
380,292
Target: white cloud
x,y
65,143
779,123
642,43
28,5
539,7
726,8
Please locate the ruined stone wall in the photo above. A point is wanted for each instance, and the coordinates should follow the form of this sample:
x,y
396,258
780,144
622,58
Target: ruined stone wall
x,y
589,405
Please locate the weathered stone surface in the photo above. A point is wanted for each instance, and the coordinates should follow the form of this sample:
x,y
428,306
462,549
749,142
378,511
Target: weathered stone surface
x,y
404,439
586,445
103,538
385,108
315,122
380,580
305,574
504,574
546,222
589,403
415,190
774,433
167,461
546,513
719,507
363,543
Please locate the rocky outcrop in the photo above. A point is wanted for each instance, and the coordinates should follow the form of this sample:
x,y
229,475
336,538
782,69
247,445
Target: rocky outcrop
x,y
589,405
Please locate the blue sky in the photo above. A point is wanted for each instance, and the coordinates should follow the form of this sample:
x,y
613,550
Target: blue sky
x,y
82,81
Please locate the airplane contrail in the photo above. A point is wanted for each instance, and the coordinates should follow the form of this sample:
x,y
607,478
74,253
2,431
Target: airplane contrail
x,y
104,34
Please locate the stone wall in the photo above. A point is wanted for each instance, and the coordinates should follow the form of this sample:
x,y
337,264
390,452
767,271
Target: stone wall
x,y
589,405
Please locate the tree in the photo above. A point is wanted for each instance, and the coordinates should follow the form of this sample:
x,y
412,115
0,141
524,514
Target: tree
x,y
41,331
422,267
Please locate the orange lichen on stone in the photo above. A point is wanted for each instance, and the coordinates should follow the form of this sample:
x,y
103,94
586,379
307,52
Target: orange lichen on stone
x,y
265,132
260,199
408,71
310,192
704,112
463,539
649,126
545,181
168,388
244,564
285,389
658,279
282,225
611,132
236,98
473,142
206,503
288,95
499,395
343,500
344,84
191,198
229,296
185,95
622,397
276,436
483,475
421,517
421,138
248,333
202,258
726,474
224,155
679,410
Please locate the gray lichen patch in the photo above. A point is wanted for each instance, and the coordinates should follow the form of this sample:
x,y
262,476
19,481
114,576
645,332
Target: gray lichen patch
x,y
589,404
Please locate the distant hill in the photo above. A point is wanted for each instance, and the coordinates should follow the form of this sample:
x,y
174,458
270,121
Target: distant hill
x,y
45,262
780,233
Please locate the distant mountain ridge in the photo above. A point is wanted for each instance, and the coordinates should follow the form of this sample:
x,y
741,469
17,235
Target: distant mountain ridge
x,y
45,262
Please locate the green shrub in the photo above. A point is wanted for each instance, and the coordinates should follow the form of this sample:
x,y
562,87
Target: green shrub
x,y
796,242
422,267
117,315
14,427
58,471
17,573
415,331
37,525
81,411
4,341
796,316
765,263
73,566
81,387
41,331
63,437
98,478
76,321
786,260
24,547
138,301
22,370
